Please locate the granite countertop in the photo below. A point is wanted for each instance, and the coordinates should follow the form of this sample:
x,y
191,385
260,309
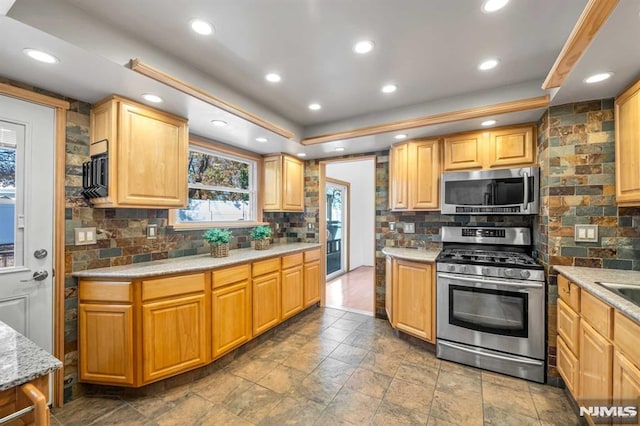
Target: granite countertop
x,y
192,263
21,360
587,277
428,255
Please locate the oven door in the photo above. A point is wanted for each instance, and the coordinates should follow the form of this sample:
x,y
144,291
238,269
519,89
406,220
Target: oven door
x,y
504,315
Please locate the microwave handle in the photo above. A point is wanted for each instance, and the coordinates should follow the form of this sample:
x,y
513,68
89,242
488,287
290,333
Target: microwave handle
x,y
525,182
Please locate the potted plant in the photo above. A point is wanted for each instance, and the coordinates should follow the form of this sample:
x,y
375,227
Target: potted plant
x,y
261,234
218,240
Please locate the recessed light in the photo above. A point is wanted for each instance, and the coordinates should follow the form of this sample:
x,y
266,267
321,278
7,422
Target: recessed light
x,y
302,154
488,123
261,139
273,77
364,46
339,149
41,56
488,64
219,123
201,27
389,88
315,106
152,98
493,5
400,136
596,78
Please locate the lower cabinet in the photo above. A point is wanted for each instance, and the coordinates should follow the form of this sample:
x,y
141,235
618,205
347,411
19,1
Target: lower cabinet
x,y
413,298
312,277
388,288
266,295
596,357
292,288
231,309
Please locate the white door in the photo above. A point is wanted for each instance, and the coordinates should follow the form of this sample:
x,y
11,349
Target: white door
x,y
337,228
27,146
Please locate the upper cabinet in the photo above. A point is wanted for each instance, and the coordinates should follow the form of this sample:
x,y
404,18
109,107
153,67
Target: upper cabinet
x,y
414,175
627,115
147,154
283,184
499,148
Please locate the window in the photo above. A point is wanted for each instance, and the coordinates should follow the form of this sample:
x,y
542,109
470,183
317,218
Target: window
x,y
222,188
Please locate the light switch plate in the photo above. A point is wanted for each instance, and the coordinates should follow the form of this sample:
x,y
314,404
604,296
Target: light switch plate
x,y
586,234
152,232
409,228
85,236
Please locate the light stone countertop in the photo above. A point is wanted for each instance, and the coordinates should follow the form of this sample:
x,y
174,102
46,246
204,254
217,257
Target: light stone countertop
x,y
196,263
587,277
428,255
21,360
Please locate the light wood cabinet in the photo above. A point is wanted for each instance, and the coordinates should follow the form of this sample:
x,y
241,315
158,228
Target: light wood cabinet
x,y
388,288
414,298
498,148
568,366
414,175
266,295
596,365
27,395
292,298
230,309
627,116
312,277
147,153
626,380
283,184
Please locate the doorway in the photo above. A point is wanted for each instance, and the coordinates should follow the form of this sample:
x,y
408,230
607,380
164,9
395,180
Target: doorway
x,y
337,197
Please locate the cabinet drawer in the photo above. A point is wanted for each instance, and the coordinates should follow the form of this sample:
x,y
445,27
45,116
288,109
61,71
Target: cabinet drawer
x,y
311,255
625,336
172,286
106,291
598,314
568,366
266,266
230,275
292,260
568,326
569,293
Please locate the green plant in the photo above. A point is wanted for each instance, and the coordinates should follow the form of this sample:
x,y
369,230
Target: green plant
x,y
261,232
217,236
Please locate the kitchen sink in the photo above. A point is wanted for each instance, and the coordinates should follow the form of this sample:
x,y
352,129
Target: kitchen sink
x,y
631,292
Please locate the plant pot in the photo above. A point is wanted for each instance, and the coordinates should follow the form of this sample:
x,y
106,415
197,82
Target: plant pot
x,y
220,250
262,244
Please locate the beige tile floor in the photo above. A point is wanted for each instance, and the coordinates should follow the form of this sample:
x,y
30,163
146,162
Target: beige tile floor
x,y
332,367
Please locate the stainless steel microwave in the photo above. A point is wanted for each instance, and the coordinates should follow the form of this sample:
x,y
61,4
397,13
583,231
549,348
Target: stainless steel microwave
x,y
491,192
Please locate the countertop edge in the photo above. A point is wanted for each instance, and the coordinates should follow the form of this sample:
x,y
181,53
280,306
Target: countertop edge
x,y
626,307
427,256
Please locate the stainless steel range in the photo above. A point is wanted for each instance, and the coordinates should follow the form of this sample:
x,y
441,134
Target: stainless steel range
x,y
491,301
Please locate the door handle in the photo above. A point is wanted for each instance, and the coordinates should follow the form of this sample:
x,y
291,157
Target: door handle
x,y
37,276
40,253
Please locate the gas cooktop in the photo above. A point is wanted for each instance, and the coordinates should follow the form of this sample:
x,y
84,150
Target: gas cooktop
x,y
482,257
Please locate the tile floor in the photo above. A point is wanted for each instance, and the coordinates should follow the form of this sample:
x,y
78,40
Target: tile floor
x,y
353,290
332,367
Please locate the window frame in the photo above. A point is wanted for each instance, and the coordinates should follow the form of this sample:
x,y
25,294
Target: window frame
x,y
214,148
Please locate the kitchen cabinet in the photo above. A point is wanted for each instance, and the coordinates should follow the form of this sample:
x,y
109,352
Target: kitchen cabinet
x,y
388,288
147,154
596,365
626,380
292,298
32,394
266,295
283,183
230,308
312,277
413,298
627,117
414,175
498,148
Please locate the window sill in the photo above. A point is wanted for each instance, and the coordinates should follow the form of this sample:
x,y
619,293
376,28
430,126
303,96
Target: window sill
x,y
208,225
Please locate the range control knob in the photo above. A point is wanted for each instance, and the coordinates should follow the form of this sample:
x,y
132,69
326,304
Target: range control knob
x,y
508,272
463,268
451,268
525,274
486,271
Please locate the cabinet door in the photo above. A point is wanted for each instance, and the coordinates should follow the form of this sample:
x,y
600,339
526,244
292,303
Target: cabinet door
x,y
628,147
106,343
292,291
311,283
568,366
174,336
424,175
152,158
596,364
626,380
266,302
272,183
463,152
568,326
510,147
388,292
399,177
231,311
293,184
413,299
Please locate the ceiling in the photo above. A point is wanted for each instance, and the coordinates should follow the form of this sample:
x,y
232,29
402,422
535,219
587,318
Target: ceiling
x,y
430,49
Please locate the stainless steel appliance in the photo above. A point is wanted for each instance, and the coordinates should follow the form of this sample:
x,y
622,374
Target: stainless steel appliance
x,y
505,191
491,301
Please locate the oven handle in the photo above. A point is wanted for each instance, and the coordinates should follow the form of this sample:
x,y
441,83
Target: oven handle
x,y
505,283
489,354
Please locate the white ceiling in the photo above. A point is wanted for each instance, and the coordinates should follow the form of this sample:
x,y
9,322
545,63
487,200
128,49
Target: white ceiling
x,y
429,48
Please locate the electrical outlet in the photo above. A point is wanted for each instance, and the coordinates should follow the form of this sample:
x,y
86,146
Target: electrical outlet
x,y
85,236
409,228
392,226
152,232
310,226
586,233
